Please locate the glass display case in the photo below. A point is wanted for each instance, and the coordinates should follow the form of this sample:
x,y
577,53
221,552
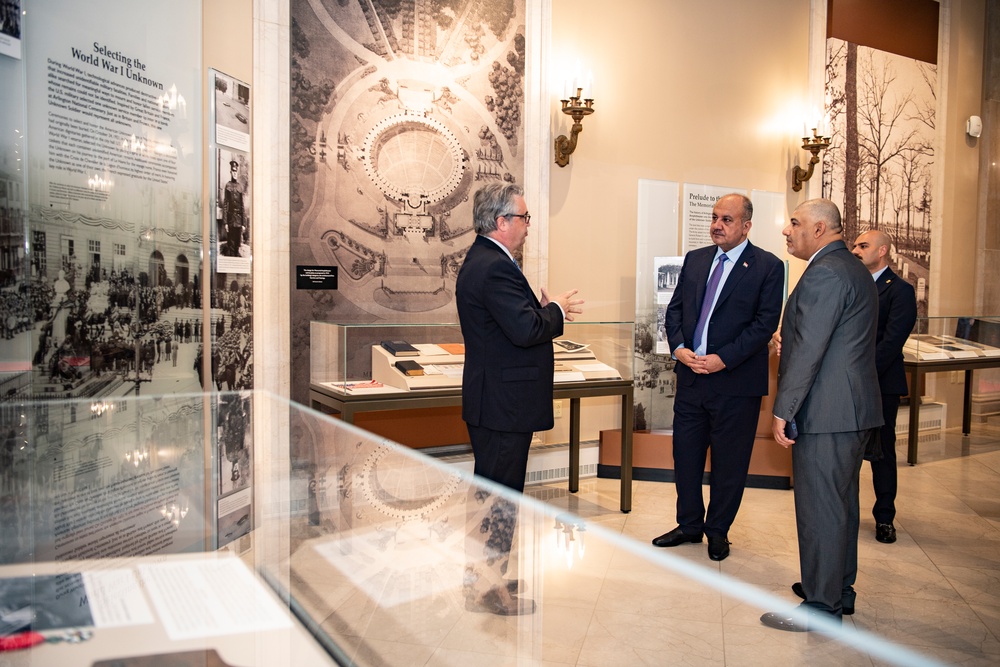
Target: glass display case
x,y
951,344
944,338
362,358
359,552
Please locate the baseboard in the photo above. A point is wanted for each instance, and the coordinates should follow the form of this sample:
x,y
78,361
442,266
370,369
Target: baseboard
x,y
666,475
546,463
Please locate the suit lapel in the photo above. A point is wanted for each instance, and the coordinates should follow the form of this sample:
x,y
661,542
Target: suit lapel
x,y
885,280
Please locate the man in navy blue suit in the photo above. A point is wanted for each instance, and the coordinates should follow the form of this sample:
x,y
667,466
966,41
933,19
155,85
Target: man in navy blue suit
x,y
719,321
897,313
508,332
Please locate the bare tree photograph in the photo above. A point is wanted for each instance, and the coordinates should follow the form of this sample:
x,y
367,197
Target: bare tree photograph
x,y
879,168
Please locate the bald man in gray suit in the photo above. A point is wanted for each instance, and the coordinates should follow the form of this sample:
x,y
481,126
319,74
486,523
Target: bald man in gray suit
x,y
828,388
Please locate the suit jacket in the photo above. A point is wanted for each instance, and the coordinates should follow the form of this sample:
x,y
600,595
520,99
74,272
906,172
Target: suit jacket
x,y
897,313
507,381
826,378
746,314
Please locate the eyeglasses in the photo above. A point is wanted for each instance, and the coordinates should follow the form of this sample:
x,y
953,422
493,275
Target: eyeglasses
x,y
526,216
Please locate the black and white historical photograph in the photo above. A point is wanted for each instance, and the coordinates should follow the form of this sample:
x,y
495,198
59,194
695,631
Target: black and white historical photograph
x,y
10,28
233,211
399,112
880,165
667,271
235,441
232,112
231,332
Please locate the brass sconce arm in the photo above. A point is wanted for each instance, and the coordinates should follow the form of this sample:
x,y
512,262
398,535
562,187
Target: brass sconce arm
x,y
814,145
572,107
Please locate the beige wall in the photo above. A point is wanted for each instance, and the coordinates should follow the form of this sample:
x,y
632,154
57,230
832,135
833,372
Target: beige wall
x,y
953,252
228,43
697,92
227,46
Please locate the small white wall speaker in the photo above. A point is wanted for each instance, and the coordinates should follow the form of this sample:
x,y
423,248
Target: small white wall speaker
x,y
974,126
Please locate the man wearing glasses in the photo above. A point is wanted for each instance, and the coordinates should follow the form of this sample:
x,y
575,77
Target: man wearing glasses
x,y
506,386
508,332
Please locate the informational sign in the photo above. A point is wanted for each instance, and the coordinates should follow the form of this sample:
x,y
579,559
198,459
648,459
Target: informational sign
x,y
113,196
315,277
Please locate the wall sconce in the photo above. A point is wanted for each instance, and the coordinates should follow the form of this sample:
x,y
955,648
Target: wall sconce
x,y
814,145
573,107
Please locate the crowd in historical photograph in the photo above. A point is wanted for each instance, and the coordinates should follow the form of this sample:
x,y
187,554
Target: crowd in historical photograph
x,y
89,337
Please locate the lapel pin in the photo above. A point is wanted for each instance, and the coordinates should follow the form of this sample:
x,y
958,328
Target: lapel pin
x,y
745,265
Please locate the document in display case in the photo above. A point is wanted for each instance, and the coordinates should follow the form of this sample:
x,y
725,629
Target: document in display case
x,y
432,356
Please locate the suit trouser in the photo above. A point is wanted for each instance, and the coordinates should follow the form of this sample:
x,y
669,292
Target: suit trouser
x,y
884,471
491,527
501,456
729,423
826,468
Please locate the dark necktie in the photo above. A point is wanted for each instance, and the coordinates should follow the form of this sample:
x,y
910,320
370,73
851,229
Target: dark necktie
x,y
706,304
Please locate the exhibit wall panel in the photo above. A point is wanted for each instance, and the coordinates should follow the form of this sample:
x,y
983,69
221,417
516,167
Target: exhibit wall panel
x,y
15,310
106,155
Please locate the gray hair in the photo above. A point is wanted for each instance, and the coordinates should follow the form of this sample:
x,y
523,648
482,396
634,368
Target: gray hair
x,y
826,211
491,202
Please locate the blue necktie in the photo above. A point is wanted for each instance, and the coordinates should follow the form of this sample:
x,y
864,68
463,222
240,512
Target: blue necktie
x,y
706,304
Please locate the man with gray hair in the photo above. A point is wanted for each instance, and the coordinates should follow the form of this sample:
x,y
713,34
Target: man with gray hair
x,y
508,332
828,406
506,386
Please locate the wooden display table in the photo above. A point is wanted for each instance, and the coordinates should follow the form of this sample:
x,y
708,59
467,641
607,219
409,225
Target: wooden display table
x,y
350,404
917,369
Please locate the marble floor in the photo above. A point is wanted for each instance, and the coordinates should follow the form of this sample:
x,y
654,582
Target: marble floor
x,y
936,591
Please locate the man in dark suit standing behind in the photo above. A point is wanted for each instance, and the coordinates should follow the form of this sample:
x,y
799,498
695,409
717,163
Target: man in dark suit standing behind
x,y
827,388
507,381
897,313
726,306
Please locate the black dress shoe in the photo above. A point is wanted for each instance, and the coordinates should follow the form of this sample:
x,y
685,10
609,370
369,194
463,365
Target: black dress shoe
x,y
885,533
798,590
718,548
495,602
675,537
782,622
